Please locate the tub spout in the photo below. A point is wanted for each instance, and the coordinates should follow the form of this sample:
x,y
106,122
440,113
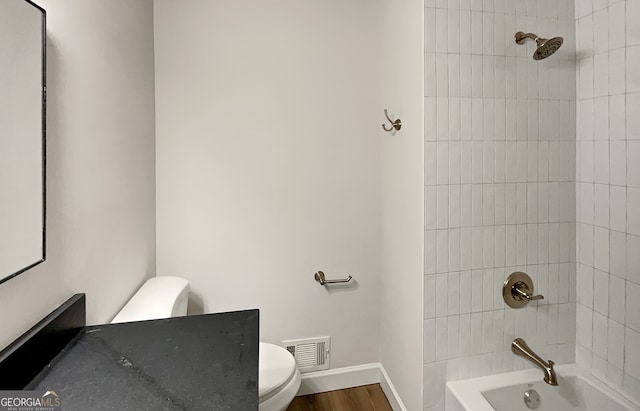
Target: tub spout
x,y
519,347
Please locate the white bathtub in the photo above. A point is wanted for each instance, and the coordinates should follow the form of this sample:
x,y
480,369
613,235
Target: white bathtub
x,y
576,391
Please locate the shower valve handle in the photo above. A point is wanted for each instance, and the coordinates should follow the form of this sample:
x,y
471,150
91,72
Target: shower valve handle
x,y
517,290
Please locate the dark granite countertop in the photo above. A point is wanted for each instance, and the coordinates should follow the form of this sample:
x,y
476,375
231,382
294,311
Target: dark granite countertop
x,y
202,362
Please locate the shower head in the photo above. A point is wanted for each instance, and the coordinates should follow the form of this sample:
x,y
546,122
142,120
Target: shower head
x,y
546,47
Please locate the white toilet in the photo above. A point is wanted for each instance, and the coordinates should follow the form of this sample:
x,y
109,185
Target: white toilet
x,y
164,297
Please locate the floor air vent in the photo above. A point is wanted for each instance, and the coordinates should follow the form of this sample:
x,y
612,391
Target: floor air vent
x,y
311,354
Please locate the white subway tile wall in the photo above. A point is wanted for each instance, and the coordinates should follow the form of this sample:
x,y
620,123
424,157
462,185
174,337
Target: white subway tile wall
x,y
608,191
500,154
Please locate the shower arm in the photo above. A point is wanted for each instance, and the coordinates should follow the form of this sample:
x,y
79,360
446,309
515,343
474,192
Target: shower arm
x,y
521,37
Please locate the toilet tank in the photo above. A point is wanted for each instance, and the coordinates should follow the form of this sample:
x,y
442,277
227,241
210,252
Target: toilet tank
x,y
159,297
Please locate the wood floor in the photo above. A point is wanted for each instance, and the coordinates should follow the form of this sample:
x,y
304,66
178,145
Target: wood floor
x,y
364,398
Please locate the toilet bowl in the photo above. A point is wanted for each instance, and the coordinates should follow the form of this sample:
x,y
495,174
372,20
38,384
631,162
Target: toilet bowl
x,y
278,378
165,297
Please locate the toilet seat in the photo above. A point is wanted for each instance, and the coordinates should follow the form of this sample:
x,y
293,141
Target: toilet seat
x,y
278,378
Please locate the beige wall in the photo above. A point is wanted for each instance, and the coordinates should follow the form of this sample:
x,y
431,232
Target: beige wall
x,y
401,198
267,163
100,171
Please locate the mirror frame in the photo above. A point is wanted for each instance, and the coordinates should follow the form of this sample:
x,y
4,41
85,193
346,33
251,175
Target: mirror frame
x,y
44,146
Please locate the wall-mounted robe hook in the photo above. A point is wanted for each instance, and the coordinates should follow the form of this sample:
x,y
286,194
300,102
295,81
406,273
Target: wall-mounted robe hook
x,y
394,124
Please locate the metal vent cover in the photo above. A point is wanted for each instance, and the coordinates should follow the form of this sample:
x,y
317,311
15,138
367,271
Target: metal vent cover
x,y
311,354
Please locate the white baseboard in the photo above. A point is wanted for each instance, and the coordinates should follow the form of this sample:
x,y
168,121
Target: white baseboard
x,y
339,378
348,377
390,391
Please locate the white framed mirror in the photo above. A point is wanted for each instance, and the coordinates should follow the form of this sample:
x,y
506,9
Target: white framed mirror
x,y
22,136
